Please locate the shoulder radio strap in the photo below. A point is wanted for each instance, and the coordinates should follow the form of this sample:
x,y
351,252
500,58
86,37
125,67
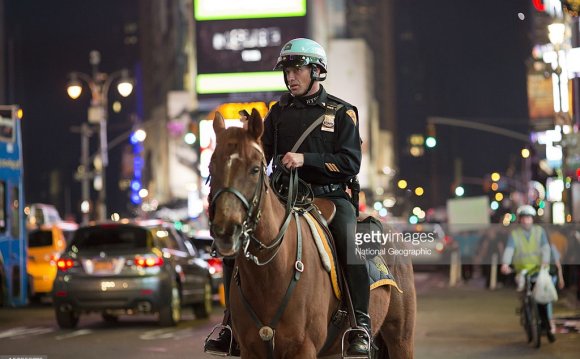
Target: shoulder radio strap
x,y
331,110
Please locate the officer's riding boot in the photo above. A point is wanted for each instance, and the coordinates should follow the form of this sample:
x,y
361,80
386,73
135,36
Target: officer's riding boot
x,y
358,283
224,339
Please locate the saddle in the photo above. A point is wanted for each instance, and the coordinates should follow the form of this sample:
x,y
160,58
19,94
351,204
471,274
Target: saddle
x,y
326,208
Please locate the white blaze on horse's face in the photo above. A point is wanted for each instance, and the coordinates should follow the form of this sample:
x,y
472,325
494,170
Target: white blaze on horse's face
x,y
228,170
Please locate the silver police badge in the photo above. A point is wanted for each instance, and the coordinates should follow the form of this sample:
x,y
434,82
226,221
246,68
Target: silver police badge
x,y
328,123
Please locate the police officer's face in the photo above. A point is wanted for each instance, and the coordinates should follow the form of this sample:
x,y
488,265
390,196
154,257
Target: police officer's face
x,y
298,78
526,221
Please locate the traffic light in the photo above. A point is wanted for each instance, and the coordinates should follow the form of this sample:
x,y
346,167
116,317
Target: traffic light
x,y
431,140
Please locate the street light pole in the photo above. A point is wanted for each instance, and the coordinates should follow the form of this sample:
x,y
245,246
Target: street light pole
x,y
99,84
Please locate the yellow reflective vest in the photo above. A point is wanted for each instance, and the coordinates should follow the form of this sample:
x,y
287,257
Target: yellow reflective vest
x,y
527,251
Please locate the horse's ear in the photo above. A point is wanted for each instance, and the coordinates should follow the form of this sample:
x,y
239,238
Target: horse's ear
x,y
218,123
255,124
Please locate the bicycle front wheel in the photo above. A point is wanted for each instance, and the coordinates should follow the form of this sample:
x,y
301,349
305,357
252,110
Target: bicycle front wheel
x,y
535,324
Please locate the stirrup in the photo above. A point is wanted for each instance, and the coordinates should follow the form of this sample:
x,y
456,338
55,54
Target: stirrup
x,y
357,356
213,352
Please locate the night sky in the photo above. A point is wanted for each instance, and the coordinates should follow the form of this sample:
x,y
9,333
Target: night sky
x,y
51,39
460,59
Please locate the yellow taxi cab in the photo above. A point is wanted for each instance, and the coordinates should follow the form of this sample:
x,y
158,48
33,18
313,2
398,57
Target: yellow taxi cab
x,y
45,245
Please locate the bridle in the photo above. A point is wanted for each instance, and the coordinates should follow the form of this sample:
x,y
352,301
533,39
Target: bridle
x,y
254,213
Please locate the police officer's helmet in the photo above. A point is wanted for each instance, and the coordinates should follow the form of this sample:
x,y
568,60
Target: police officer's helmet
x,y
526,210
301,52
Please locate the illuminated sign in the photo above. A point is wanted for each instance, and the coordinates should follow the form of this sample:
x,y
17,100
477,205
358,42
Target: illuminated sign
x,y
239,41
552,7
247,9
244,45
240,82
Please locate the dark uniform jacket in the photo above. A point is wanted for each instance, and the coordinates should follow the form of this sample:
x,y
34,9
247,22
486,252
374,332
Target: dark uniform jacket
x,y
332,151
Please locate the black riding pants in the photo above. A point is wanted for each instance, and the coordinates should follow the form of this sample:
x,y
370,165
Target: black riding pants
x,y
343,228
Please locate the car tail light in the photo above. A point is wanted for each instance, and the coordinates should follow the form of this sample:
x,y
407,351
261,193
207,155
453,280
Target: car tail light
x,y
54,258
148,261
215,265
64,264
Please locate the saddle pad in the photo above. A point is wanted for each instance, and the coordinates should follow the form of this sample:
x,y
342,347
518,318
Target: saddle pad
x,y
379,274
328,260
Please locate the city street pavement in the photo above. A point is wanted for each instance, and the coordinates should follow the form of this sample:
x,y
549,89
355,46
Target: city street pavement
x,y
463,322
469,322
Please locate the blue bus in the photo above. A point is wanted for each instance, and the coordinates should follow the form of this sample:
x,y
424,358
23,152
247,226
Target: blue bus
x,y
13,248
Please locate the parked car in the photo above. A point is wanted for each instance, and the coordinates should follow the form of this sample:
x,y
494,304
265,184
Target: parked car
x,y
41,214
45,245
130,268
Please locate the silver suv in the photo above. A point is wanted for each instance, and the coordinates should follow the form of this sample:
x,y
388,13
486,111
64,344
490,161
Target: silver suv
x,y
131,268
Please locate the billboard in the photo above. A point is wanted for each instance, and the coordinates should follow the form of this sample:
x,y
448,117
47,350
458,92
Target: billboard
x,y
238,43
247,9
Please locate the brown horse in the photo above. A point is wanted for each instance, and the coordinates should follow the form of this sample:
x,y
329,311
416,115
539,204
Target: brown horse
x,y
246,222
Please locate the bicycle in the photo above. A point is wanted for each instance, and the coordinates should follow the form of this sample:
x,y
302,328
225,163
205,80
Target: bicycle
x,y
529,314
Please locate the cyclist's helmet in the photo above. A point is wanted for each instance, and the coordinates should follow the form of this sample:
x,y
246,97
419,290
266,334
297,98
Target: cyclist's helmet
x,y
301,52
526,210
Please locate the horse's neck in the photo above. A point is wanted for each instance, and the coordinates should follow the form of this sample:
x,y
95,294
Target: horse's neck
x,y
273,215
267,230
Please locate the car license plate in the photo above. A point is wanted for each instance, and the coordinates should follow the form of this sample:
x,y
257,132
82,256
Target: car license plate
x,y
103,267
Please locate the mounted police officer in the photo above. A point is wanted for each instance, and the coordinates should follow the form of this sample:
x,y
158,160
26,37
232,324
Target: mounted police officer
x,y
329,157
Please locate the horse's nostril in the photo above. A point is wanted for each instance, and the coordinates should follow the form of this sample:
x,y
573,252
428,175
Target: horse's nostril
x,y
217,230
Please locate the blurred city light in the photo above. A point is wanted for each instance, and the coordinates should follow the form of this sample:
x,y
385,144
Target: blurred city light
x,y
189,138
430,142
85,207
494,205
383,212
74,88
459,191
416,151
143,193
117,107
525,153
419,191
389,202
556,32
495,177
402,184
125,85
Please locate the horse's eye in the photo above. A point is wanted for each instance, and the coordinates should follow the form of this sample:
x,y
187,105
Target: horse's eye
x,y
255,170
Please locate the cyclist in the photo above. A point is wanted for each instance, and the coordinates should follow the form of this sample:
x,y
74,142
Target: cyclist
x,y
528,249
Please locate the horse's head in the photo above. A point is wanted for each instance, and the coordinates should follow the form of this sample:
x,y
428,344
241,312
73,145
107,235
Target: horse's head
x,y
238,178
